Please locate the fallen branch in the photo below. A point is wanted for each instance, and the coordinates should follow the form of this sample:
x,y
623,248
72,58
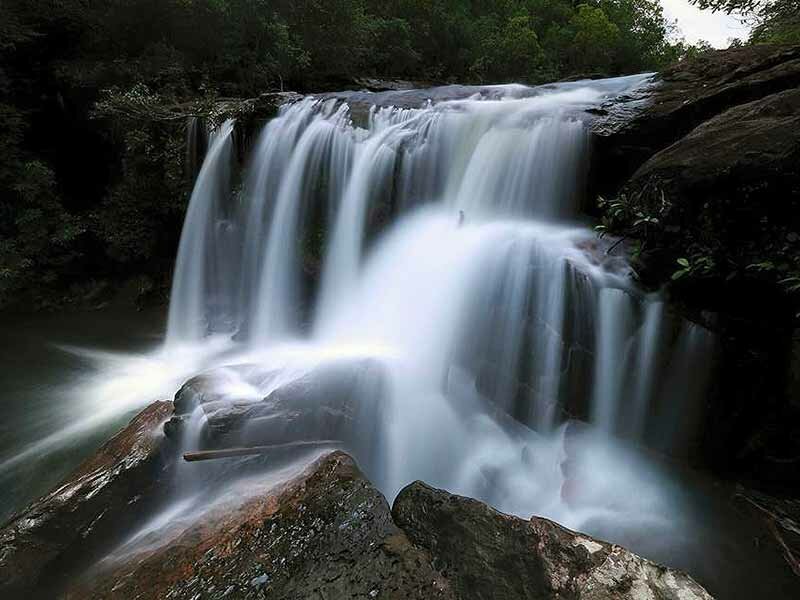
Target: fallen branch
x,y
253,450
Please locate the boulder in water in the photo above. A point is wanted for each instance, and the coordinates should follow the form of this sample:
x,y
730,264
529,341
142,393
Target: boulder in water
x,y
486,554
336,400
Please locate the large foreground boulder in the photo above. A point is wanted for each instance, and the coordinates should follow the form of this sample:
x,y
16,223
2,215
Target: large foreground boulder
x,y
66,529
485,554
327,533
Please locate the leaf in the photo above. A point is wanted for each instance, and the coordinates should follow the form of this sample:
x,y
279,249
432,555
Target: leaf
x,y
683,262
762,266
678,274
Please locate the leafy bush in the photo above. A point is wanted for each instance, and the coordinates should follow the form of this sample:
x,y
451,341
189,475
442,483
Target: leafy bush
x,y
39,238
678,252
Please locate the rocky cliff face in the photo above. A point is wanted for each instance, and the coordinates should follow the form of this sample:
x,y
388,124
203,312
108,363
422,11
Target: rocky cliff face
x,y
324,531
703,172
683,98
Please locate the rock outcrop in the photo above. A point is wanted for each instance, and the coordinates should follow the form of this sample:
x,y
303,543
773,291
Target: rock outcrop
x,y
685,96
708,156
327,533
732,184
712,151
316,528
485,554
67,528
335,400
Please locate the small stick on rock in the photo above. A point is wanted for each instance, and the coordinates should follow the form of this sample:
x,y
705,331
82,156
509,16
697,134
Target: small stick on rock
x,y
253,450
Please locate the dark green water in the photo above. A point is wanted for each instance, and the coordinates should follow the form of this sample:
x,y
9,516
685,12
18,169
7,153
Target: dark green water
x,y
45,383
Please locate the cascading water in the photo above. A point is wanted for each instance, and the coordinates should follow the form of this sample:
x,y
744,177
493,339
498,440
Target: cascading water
x,y
444,243
200,283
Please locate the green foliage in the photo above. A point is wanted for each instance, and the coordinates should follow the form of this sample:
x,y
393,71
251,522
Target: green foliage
x,y
699,266
93,96
248,46
596,37
646,37
132,220
777,23
705,246
39,238
510,51
391,46
625,213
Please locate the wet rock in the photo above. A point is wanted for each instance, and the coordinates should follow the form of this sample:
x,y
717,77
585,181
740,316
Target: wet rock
x,y
327,533
65,528
747,151
174,428
781,519
374,84
686,95
712,151
736,176
733,185
339,400
316,531
485,554
251,114
198,390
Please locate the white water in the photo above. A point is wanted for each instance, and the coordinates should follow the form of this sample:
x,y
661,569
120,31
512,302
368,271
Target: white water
x,y
200,285
447,245
482,292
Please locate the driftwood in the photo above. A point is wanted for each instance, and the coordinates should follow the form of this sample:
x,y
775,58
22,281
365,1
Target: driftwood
x,y
253,450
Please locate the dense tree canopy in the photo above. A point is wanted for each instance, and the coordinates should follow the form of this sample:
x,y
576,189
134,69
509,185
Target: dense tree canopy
x,y
245,46
66,172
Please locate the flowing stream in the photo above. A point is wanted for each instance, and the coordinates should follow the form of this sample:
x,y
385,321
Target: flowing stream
x,y
445,239
436,240
444,243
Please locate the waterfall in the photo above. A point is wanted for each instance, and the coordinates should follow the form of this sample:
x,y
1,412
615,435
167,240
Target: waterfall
x,y
373,167
443,239
316,153
200,282
612,350
195,146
